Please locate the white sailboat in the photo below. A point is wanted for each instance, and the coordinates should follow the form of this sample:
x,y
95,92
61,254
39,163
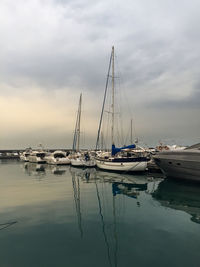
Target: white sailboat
x,y
80,159
124,158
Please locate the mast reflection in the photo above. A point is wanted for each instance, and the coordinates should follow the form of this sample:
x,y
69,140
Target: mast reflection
x,y
77,197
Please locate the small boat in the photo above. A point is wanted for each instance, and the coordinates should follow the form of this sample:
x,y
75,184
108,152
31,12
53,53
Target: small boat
x,y
83,160
58,157
37,157
78,160
24,156
182,164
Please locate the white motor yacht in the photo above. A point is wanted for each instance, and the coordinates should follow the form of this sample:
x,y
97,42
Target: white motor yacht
x,y
37,157
24,156
58,157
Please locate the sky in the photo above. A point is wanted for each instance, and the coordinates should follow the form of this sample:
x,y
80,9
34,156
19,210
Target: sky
x,y
53,50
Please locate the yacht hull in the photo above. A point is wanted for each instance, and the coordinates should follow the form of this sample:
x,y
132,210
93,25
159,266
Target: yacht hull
x,y
36,160
122,166
77,163
182,165
58,162
24,158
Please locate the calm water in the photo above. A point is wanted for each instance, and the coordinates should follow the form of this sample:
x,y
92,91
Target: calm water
x,y
64,216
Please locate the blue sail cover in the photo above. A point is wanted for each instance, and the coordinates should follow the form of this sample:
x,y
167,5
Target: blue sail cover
x,y
115,150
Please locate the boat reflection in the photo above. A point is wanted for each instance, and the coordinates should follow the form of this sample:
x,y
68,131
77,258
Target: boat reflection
x,y
57,170
130,190
128,185
87,175
34,168
180,195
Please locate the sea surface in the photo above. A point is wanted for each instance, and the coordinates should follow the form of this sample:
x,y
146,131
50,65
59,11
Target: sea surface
x,y
64,216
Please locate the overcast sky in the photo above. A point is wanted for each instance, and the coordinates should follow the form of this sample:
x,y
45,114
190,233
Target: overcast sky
x,y
52,50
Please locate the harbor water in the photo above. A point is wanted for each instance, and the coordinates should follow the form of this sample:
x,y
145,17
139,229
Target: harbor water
x,y
65,216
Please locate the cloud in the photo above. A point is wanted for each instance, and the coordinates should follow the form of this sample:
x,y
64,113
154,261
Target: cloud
x,y
58,48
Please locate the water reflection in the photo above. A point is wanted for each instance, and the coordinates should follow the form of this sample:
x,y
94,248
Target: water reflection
x,y
130,190
86,175
109,202
180,195
34,168
108,240
73,210
37,169
6,225
77,196
57,170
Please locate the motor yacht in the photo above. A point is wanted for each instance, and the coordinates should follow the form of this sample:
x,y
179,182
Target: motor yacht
x,y
37,157
58,157
24,156
182,164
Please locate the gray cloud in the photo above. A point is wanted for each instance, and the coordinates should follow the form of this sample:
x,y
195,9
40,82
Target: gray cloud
x,y
61,44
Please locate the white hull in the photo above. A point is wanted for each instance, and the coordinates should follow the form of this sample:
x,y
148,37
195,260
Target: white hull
x,y
122,166
34,159
90,163
58,161
24,158
77,162
37,157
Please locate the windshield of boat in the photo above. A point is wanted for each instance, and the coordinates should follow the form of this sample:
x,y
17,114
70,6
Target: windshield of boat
x,y
196,146
59,155
41,155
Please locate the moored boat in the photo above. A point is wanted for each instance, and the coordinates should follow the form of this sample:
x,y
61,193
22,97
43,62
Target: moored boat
x,y
58,157
182,164
126,158
24,156
122,161
37,157
78,158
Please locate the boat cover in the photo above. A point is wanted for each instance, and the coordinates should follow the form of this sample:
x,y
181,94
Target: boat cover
x,y
115,150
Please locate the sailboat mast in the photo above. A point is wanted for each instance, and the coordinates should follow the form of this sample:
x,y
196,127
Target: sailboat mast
x,y
104,100
79,122
113,99
131,131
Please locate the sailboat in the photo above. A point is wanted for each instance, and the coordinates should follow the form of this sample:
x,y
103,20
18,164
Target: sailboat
x,y
80,159
124,158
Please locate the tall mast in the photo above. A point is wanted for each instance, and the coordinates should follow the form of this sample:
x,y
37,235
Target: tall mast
x,y
131,131
113,99
76,140
104,99
79,122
